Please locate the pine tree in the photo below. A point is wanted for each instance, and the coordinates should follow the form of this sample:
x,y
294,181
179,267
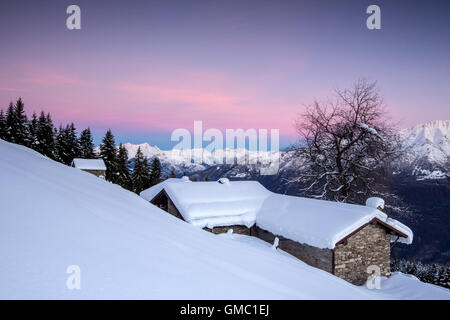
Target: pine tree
x,y
74,143
147,183
10,123
2,125
108,153
59,144
155,172
46,136
67,143
124,178
19,125
207,178
444,277
87,144
172,174
141,176
434,274
429,273
33,130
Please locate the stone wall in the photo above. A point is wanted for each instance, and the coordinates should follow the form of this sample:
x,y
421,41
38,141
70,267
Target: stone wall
x,y
236,229
97,173
316,257
369,246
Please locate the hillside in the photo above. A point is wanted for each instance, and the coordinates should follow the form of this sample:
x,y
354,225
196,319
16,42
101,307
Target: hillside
x,y
54,216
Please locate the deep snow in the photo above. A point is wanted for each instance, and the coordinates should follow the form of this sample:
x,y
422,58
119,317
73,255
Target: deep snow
x,y
53,216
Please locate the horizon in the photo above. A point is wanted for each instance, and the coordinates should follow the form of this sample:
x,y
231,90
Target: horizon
x,y
168,145
146,68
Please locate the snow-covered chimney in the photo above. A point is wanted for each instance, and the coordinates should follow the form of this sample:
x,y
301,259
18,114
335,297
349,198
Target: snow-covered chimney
x,y
375,202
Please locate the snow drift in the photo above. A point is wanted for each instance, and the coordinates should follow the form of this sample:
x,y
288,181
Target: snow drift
x,y
53,216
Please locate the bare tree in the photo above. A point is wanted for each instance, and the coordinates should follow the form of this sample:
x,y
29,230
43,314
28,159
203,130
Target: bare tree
x,y
348,144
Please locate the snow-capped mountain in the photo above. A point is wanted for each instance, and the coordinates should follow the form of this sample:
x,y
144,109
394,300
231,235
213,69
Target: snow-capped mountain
x,y
427,150
170,159
189,161
426,156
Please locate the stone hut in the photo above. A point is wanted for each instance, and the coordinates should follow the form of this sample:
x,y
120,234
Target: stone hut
x,y
215,206
94,166
349,241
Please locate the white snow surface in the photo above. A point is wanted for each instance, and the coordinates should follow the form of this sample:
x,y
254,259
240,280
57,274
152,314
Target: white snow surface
x,y
398,286
375,202
318,223
89,164
53,216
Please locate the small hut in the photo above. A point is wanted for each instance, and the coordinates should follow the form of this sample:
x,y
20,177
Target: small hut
x,y
94,166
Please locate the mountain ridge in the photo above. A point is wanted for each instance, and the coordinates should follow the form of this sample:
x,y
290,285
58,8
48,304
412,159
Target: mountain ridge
x,y
426,154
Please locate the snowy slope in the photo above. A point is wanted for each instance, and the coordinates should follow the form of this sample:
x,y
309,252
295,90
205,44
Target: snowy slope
x,y
427,153
53,216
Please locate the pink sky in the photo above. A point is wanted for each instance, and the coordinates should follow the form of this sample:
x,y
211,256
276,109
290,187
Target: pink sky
x,y
229,64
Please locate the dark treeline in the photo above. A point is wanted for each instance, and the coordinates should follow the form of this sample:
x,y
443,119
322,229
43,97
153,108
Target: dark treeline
x,y
431,273
63,144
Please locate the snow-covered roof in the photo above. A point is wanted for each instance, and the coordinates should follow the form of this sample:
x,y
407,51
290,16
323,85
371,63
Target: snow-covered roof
x,y
150,193
89,164
213,203
318,223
